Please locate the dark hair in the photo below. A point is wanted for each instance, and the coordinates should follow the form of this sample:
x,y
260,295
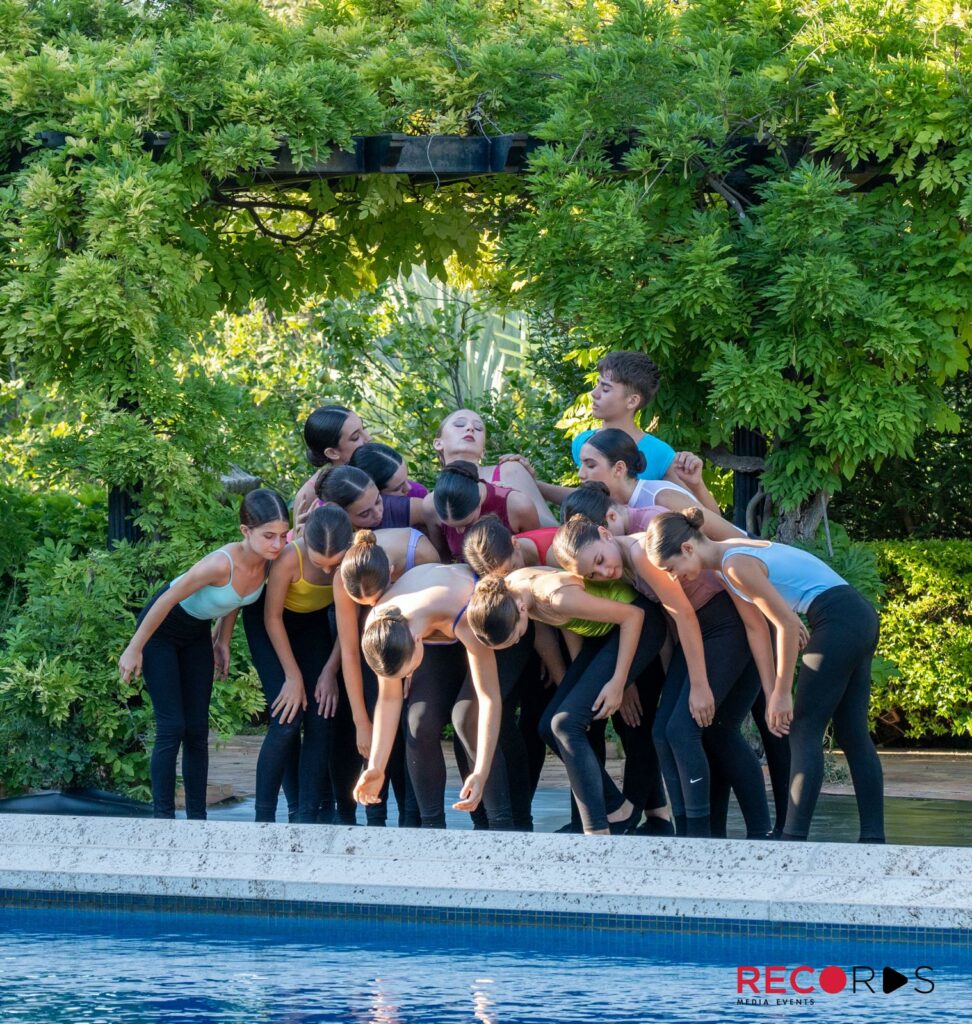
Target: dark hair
x,y
456,493
492,613
616,446
364,569
380,461
670,530
591,499
322,430
341,485
634,370
328,530
263,506
572,536
387,642
487,545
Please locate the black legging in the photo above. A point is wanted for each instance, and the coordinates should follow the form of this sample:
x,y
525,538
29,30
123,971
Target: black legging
x,y
777,751
568,717
178,666
535,695
679,740
642,783
256,634
834,684
506,801
311,641
434,689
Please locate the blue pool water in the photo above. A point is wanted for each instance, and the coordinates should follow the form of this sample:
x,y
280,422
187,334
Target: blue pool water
x,y
85,966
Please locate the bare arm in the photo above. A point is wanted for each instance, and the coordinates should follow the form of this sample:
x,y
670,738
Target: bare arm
x,y
388,714
292,697
221,642
686,469
713,525
349,641
485,680
515,474
555,493
748,575
547,645
760,644
214,570
576,603
522,513
674,601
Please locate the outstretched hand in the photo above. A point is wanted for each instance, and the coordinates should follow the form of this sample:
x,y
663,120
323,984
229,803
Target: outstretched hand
x,y
470,794
779,713
368,788
130,665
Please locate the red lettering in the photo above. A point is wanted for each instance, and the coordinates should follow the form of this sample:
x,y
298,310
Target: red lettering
x,y
751,981
793,980
776,976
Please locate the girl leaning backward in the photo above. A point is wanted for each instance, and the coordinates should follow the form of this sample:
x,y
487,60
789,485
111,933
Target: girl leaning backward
x,y
175,650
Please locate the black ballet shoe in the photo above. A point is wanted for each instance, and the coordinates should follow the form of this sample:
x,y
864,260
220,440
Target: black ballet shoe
x,y
770,836
619,828
570,829
653,826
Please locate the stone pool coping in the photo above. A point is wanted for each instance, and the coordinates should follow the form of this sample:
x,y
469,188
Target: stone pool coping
x,y
886,887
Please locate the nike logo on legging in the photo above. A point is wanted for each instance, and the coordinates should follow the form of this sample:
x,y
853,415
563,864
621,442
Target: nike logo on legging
x,y
699,779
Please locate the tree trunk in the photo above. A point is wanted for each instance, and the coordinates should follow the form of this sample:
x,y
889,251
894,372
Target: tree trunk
x,y
802,522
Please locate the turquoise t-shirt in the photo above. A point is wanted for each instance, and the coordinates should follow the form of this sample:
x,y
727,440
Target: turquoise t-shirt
x,y
658,455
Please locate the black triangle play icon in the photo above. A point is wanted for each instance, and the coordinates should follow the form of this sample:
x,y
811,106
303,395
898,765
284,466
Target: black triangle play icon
x,y
893,980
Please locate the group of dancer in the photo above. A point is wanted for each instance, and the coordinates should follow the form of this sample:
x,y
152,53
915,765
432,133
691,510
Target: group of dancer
x,y
379,612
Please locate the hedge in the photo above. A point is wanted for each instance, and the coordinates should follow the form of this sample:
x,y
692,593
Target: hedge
x,y
923,677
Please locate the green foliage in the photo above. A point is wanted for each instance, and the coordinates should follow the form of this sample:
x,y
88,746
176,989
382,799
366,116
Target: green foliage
x,y
927,495
926,632
65,719
824,306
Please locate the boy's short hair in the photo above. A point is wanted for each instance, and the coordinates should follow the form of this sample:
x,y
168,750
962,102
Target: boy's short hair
x,y
634,370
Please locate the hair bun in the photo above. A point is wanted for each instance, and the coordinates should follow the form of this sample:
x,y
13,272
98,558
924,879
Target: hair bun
x,y
390,612
366,537
579,517
462,467
492,586
695,517
639,463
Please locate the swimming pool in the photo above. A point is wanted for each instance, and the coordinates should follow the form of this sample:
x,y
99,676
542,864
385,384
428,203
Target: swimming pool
x,y
87,967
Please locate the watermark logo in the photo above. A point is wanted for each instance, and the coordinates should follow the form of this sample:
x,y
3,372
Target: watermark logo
x,y
779,985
